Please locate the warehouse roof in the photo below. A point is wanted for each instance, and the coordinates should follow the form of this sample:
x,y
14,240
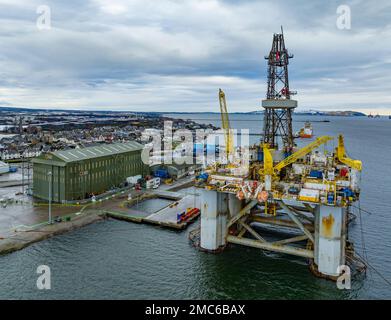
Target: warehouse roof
x,y
80,154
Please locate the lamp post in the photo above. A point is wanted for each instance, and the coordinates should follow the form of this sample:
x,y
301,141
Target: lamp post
x,y
50,197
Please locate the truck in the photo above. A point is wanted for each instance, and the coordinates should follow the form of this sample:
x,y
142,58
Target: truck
x,y
153,183
133,180
161,173
156,183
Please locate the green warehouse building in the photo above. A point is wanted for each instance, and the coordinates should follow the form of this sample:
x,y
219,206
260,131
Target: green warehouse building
x,y
79,173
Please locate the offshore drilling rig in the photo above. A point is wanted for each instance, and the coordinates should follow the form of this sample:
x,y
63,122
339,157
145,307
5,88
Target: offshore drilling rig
x,y
302,190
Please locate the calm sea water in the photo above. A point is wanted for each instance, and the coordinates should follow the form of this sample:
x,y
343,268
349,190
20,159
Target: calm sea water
x,y
115,259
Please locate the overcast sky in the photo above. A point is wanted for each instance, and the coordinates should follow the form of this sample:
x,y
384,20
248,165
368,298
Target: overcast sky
x,y
174,55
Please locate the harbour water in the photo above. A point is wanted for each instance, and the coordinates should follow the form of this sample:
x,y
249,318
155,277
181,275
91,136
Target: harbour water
x,y
121,260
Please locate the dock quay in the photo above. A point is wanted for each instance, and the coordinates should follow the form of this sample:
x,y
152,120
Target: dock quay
x,y
165,216
28,222
168,194
22,239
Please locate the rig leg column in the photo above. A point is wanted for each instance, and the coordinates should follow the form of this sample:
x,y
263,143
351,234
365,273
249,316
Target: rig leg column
x,y
330,238
234,205
213,220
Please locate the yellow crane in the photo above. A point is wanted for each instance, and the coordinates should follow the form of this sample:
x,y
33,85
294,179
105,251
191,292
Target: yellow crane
x,y
269,169
229,143
302,152
342,157
267,160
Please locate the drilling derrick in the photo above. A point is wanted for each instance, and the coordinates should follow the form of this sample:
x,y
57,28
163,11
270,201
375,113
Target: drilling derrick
x,y
278,104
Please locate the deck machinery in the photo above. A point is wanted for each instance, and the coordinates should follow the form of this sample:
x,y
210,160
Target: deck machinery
x,y
302,193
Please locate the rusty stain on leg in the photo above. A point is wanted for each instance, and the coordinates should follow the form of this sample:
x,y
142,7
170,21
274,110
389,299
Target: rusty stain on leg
x,y
327,225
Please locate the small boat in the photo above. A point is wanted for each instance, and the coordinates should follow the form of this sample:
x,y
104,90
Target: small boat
x,y
306,131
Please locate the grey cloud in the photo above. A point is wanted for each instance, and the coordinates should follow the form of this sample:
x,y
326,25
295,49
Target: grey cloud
x,y
156,55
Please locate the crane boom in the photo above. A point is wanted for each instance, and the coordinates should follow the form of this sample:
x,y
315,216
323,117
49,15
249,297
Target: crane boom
x,y
268,168
340,153
301,152
342,157
226,125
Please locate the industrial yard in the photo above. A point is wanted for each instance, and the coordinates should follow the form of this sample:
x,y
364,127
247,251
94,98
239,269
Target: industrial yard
x,y
27,221
195,150
261,268
269,183
80,176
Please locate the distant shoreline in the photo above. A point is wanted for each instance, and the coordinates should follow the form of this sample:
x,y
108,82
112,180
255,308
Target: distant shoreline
x,y
304,113
320,113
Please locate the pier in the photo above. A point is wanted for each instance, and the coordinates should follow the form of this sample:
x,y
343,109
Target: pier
x,y
32,221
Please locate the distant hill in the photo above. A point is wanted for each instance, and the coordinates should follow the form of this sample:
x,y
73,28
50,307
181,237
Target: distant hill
x,y
309,112
345,113
304,113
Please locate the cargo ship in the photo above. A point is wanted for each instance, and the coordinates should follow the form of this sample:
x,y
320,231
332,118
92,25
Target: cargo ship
x,y
306,131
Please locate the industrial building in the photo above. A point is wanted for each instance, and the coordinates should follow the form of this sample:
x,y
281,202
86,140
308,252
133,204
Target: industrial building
x,y
80,173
